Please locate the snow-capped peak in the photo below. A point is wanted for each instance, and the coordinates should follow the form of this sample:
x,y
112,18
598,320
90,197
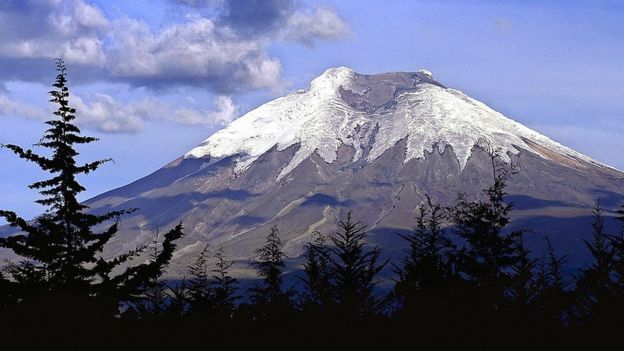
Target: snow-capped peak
x,y
332,79
372,113
425,73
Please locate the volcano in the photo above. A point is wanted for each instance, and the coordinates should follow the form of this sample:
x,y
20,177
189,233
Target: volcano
x,y
375,145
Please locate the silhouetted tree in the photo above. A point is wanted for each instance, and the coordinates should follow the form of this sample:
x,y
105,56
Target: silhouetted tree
x,y
317,295
6,292
199,284
553,300
602,284
354,269
618,263
490,253
268,296
61,241
27,278
223,287
523,284
426,282
427,270
177,300
596,288
617,243
63,251
153,296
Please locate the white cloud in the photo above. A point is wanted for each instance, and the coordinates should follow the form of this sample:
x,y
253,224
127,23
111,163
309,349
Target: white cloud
x,y
89,16
11,108
195,53
225,113
5,104
223,50
70,29
322,23
105,114
221,53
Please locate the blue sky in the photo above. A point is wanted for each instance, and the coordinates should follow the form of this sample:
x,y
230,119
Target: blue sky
x,y
153,78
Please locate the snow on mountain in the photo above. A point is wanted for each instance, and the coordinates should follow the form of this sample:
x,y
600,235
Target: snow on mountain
x,y
362,144
319,119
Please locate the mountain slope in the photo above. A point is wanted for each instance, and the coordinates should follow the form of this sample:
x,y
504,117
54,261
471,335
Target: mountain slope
x,y
371,144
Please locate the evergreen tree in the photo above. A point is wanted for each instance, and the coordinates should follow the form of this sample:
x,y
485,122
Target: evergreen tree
x,y
141,287
354,270
553,300
61,241
617,241
317,295
426,285
177,300
62,251
523,285
489,253
212,291
426,271
268,295
223,287
601,287
153,295
27,279
199,285
6,292
595,287
617,244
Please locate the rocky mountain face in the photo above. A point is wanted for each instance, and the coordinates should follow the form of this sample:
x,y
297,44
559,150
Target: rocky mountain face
x,y
371,144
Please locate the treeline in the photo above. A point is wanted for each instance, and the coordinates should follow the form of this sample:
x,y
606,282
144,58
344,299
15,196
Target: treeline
x,y
484,290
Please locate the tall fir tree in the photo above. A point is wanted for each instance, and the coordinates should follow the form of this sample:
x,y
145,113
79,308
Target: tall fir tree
x,y
268,295
317,285
490,252
199,291
153,296
61,241
6,292
523,285
223,286
616,305
553,301
427,270
617,243
596,288
62,250
354,270
178,301
141,287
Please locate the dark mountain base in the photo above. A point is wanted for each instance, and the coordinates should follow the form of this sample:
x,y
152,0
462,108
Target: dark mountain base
x,y
218,207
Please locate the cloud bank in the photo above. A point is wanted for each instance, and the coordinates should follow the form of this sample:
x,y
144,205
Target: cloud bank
x,y
220,46
11,108
106,114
